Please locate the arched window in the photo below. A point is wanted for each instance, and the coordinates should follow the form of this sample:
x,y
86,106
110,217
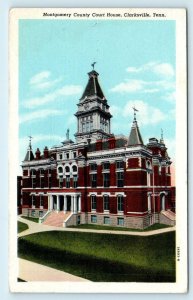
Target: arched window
x,y
67,169
74,168
60,170
93,202
120,203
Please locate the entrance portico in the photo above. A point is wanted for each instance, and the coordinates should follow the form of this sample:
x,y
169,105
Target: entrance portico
x,y
65,202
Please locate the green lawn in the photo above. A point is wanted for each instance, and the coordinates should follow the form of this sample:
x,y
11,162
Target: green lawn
x,y
104,257
107,227
36,220
21,227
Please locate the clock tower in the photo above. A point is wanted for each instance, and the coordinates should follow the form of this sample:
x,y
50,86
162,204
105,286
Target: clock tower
x,y
93,116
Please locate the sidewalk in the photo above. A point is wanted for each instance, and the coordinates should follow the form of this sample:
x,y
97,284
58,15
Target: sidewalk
x,y
30,271
35,227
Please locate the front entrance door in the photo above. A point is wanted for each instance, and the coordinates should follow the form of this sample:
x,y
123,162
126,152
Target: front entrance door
x,y
61,203
68,199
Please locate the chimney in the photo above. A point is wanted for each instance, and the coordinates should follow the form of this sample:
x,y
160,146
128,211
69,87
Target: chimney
x,y
38,153
46,152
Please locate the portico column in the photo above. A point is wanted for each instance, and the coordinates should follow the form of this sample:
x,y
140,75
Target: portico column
x,y
72,203
50,202
65,204
79,204
75,204
57,205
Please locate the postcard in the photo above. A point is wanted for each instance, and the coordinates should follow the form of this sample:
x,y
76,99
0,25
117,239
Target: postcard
x,y
98,125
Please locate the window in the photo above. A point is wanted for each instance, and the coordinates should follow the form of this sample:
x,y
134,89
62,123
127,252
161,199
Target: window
x,y
74,168
60,156
120,221
93,180
87,126
67,181
41,178
91,125
93,202
106,220
83,127
106,166
60,170
67,169
93,167
33,175
60,181
75,181
67,155
93,219
106,179
120,203
33,213
41,201
120,164
40,214
74,154
49,178
33,201
120,181
106,202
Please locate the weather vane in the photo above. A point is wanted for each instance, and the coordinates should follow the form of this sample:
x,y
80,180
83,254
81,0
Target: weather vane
x,y
134,109
30,138
93,64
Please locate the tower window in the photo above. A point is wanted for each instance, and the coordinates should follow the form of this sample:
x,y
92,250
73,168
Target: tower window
x,y
120,165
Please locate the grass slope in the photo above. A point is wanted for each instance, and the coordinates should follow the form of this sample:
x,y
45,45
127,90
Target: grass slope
x,y
36,220
104,257
21,227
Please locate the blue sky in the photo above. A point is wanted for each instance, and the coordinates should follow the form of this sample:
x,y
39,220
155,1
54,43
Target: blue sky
x,y
136,63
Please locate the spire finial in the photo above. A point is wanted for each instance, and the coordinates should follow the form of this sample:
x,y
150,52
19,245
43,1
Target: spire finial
x,y
30,138
93,64
68,134
134,109
162,136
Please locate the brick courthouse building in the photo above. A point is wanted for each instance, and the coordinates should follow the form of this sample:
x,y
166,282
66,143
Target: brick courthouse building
x,y
101,178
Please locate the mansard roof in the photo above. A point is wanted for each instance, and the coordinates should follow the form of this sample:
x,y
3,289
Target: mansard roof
x,y
135,137
93,87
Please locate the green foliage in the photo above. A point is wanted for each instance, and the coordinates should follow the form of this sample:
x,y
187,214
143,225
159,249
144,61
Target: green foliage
x,y
21,227
36,220
104,257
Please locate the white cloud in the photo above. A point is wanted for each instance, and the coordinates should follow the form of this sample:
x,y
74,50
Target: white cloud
x,y
160,69
147,114
40,114
164,69
36,79
129,86
42,80
67,90
171,97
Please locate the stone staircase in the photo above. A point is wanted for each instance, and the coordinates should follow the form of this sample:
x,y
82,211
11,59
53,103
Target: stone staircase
x,y
57,218
168,217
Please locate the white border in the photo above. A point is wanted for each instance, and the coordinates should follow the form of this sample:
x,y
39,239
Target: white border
x,y
181,177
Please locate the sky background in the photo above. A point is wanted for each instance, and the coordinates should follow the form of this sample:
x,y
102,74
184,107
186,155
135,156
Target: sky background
x,y
136,66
